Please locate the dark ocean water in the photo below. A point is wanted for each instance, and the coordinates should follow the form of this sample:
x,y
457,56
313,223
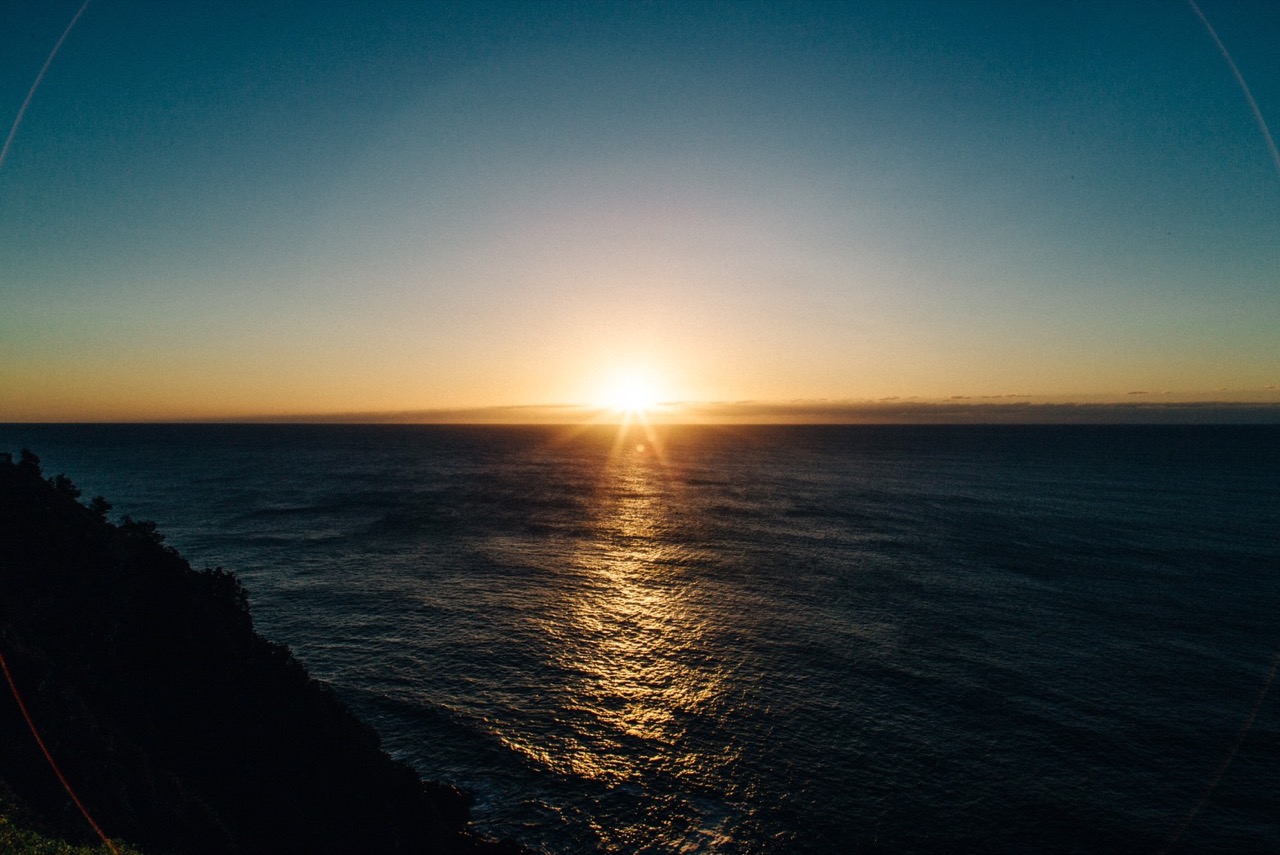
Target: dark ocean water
x,y
766,639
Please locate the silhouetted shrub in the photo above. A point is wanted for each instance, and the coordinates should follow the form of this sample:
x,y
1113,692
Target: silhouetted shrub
x,y
28,460
226,588
145,530
65,486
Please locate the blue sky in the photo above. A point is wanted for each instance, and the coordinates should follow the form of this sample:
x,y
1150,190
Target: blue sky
x,y
226,209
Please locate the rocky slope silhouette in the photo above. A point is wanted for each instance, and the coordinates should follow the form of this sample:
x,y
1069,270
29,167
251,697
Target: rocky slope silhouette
x,y
180,728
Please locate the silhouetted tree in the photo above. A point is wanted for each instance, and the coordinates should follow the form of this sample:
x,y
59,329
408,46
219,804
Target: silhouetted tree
x,y
65,486
227,588
141,529
28,460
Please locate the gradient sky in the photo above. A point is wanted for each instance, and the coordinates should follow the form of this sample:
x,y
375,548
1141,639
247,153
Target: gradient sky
x,y
226,209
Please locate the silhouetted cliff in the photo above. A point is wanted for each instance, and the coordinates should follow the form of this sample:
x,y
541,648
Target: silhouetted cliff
x,y
181,729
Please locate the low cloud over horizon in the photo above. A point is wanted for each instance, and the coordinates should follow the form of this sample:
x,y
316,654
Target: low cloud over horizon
x,y
991,409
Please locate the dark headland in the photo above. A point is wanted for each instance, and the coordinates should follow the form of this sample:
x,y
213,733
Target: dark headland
x,y
180,728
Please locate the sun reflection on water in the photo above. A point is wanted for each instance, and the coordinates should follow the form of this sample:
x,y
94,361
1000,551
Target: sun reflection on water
x,y
628,636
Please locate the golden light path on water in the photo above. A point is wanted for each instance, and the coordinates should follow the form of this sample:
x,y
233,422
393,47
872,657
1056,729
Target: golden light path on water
x,y
632,634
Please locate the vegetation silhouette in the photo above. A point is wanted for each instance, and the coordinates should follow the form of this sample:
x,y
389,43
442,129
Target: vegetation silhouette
x,y
180,728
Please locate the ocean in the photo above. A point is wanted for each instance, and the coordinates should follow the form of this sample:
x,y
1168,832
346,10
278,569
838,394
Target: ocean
x,y
764,639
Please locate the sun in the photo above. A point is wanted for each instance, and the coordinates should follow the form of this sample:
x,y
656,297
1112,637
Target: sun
x,y
631,393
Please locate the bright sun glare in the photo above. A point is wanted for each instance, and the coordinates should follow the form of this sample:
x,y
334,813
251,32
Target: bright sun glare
x,y
630,393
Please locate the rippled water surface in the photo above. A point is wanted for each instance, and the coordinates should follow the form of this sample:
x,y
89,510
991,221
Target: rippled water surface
x,y
765,639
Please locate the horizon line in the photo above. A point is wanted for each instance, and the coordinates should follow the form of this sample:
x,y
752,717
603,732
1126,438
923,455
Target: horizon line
x,y
959,410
